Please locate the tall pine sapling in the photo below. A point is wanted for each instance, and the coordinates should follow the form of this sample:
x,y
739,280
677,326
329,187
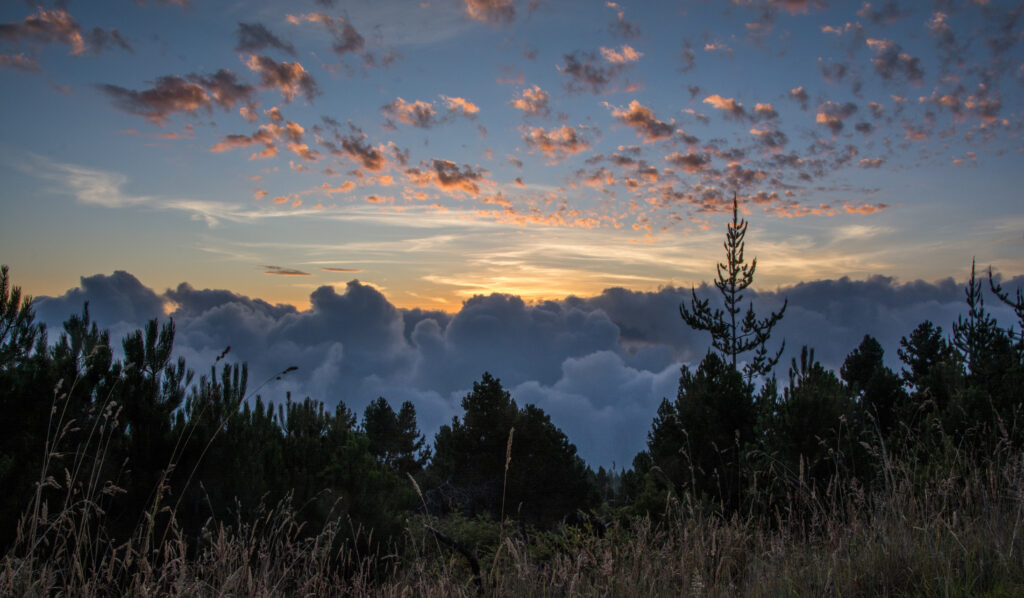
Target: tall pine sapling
x,y
1016,304
975,335
732,335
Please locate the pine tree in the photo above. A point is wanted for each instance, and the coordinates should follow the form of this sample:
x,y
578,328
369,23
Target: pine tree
x,y
732,335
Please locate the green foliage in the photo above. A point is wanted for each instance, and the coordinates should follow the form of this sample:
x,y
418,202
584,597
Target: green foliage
x,y
875,386
395,440
476,463
729,336
18,331
698,441
813,433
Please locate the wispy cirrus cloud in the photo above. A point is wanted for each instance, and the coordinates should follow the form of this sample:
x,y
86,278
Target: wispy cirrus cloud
x,y
279,271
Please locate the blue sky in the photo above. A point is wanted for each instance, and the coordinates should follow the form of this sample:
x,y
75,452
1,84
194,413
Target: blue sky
x,y
583,144
445,150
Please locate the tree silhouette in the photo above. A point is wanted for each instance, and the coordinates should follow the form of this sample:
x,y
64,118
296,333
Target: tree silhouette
x,y
730,335
395,440
546,479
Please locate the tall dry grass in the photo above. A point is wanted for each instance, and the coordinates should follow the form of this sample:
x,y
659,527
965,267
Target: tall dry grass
x,y
960,534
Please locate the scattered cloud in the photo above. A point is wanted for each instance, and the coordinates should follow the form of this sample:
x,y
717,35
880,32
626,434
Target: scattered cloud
x,y
832,115
492,12
556,143
19,62
623,55
642,119
587,73
891,61
461,105
347,38
58,26
800,95
169,95
533,101
290,78
448,176
729,106
417,113
255,37
279,271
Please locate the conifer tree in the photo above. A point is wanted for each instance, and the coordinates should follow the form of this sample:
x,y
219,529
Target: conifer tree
x,y
731,333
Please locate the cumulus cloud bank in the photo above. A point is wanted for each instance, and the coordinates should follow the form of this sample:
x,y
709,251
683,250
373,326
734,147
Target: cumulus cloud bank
x,y
598,365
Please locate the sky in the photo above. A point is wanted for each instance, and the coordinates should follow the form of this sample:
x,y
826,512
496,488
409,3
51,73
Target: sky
x,y
397,196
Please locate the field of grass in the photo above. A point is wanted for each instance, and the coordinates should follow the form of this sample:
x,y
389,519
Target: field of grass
x,y
957,535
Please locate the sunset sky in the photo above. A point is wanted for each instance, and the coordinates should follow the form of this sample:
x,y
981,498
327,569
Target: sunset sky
x,y
444,150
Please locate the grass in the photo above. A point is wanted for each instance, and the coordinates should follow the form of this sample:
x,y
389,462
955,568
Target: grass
x,y
957,536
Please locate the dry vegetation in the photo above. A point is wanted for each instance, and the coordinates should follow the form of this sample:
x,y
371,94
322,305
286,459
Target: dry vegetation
x,y
956,535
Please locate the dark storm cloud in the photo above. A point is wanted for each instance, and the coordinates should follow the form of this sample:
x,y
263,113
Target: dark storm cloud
x,y
598,365
118,302
255,37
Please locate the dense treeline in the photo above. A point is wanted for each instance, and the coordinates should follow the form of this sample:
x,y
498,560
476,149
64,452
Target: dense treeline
x,y
144,449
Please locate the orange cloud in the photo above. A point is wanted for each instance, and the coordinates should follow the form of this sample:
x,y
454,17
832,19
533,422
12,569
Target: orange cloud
x,y
342,188
728,105
533,101
556,143
623,55
417,113
290,78
19,62
462,105
865,209
493,12
691,163
446,175
642,120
